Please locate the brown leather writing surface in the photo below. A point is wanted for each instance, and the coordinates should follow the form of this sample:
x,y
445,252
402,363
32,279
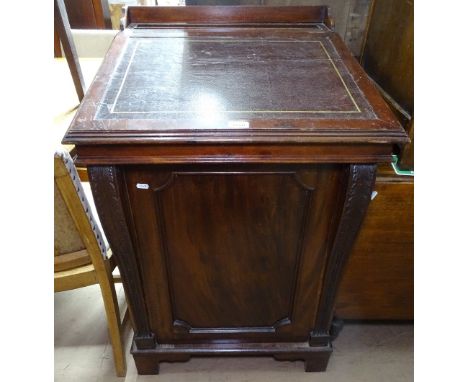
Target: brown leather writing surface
x,y
244,83
214,81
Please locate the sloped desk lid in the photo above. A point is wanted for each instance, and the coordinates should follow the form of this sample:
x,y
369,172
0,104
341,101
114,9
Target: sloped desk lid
x,y
231,84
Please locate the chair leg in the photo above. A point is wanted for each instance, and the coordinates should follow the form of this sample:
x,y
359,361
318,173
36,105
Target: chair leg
x,y
113,321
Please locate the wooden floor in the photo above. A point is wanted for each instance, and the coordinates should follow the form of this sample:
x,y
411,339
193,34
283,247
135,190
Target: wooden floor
x,y
362,353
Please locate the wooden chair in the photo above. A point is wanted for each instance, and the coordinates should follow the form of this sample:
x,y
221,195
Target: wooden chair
x,y
82,256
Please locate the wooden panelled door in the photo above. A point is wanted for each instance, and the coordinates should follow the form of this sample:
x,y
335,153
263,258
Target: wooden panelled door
x,y
230,253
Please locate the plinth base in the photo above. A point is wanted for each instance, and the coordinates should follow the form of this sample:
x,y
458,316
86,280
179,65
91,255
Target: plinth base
x,y
315,357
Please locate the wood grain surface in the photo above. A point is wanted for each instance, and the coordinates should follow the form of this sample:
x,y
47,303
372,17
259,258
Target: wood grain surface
x,y
225,252
232,165
378,281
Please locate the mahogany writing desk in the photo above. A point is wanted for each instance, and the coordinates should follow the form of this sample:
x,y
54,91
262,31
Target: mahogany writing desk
x,y
231,153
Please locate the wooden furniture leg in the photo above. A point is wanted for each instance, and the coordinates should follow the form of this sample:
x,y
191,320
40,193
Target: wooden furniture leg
x,y
113,318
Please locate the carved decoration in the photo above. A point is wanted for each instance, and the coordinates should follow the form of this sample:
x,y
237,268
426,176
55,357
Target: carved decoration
x,y
105,184
360,182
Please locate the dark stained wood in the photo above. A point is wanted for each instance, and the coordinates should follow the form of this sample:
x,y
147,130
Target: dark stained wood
x,y
406,157
350,16
315,358
378,283
81,14
57,47
102,12
88,14
324,83
378,280
386,174
388,50
403,116
231,15
361,179
226,153
63,29
109,198
192,300
233,219
388,56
